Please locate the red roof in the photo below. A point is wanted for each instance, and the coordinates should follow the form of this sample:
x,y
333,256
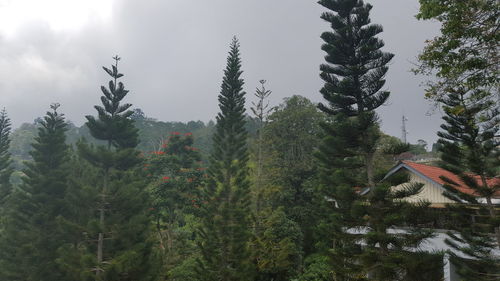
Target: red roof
x,y
434,173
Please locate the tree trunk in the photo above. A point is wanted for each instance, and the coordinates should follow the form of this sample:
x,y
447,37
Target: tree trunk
x,y
100,240
491,209
370,169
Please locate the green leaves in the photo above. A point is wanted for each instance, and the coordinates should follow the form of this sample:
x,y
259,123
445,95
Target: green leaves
x,y
114,72
113,123
464,58
465,55
355,66
277,248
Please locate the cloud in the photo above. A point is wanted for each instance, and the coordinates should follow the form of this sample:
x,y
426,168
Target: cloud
x,y
174,53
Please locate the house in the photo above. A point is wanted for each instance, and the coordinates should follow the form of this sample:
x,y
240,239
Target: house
x,y
433,189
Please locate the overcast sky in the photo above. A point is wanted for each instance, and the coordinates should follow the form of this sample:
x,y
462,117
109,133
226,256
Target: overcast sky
x,y
174,52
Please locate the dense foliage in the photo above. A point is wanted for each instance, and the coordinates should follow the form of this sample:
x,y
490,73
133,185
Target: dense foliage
x,y
299,191
465,54
464,58
175,173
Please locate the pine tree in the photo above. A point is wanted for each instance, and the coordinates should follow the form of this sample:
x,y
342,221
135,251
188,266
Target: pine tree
x,y
5,158
121,225
77,255
470,150
225,229
5,166
392,227
354,73
354,78
33,235
261,111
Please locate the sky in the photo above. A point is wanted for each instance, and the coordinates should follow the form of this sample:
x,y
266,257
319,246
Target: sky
x,y
174,52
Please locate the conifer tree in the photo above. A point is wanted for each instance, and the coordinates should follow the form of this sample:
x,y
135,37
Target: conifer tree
x,y
76,256
385,254
5,158
354,75
225,229
33,235
470,150
121,225
261,111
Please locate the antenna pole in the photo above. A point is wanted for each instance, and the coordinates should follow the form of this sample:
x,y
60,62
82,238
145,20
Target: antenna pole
x,y
404,132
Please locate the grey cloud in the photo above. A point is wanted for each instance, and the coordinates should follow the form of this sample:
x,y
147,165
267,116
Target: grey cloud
x,y
174,53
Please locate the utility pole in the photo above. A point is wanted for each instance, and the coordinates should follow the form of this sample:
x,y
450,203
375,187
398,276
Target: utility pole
x,y
404,132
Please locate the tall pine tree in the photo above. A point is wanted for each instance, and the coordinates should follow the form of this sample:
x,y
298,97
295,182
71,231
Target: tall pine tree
x,y
225,229
261,111
32,234
470,150
121,225
5,158
5,164
354,75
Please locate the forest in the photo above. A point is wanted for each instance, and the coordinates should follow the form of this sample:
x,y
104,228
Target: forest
x,y
297,191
